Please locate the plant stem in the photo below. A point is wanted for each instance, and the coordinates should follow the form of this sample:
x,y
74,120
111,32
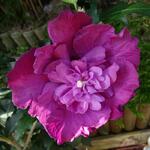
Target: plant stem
x,y
34,9
3,9
30,135
10,142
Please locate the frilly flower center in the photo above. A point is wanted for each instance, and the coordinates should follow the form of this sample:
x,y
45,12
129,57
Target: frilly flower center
x,y
83,89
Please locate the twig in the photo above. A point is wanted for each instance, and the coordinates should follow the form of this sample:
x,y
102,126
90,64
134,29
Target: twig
x,y
10,142
3,9
40,3
34,9
30,136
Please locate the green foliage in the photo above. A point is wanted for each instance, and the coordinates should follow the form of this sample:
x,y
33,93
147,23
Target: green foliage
x,y
13,14
123,9
94,12
74,2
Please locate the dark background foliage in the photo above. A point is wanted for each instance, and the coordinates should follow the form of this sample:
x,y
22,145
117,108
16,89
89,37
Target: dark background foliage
x,y
17,129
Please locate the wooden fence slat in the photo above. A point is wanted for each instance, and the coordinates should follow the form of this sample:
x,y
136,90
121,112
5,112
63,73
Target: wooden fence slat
x,y
7,40
120,140
19,39
30,38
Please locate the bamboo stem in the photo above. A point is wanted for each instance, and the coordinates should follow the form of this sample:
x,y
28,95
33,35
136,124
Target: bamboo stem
x,y
104,130
3,9
10,142
129,119
40,3
142,123
114,127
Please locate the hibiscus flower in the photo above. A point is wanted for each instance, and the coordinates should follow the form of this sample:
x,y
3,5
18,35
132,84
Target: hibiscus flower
x,y
79,82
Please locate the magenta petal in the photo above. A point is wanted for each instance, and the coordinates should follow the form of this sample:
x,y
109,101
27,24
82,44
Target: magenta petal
x,y
57,120
48,53
23,66
61,52
26,88
127,82
124,47
97,70
96,119
125,33
79,65
24,84
115,113
78,107
91,36
112,72
60,74
95,105
67,97
64,27
42,102
95,56
58,124
43,57
62,89
60,120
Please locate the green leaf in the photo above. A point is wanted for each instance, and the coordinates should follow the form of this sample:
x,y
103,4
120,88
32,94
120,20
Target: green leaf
x,y
93,11
13,121
74,2
4,92
24,124
122,9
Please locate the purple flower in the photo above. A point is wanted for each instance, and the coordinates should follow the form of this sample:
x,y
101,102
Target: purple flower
x,y
80,81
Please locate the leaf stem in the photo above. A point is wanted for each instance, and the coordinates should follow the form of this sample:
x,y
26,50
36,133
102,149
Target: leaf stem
x,y
10,142
30,135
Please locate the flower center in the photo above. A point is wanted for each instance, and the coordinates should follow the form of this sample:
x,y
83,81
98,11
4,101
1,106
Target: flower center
x,y
79,83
